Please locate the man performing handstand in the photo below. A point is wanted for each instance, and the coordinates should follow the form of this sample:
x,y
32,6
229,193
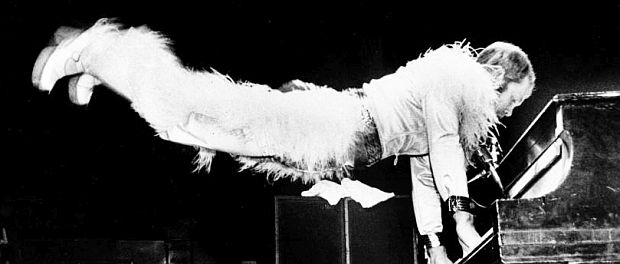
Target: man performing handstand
x,y
435,109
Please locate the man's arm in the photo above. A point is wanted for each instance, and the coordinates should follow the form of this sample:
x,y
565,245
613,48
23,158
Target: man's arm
x,y
427,209
448,161
445,151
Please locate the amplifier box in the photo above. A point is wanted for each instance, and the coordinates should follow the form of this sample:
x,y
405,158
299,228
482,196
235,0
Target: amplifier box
x,y
310,230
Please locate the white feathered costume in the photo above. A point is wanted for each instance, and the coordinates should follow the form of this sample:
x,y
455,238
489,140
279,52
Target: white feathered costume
x,y
309,133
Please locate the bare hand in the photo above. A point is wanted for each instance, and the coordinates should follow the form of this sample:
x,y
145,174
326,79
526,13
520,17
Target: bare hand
x,y
438,255
468,236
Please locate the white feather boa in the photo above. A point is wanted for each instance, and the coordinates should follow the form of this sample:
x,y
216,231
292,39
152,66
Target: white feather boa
x,y
452,71
308,135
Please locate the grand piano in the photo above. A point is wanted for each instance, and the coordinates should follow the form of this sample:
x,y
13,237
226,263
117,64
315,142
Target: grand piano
x,y
561,196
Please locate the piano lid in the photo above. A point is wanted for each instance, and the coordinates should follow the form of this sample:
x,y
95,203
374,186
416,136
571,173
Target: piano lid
x,y
540,146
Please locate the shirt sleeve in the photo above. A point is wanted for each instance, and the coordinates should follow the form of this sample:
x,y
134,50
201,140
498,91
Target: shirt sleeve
x,y
446,154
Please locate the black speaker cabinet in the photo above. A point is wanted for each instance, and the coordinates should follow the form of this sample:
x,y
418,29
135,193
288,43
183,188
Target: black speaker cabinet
x,y
310,230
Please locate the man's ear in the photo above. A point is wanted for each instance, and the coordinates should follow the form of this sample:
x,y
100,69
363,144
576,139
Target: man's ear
x,y
497,73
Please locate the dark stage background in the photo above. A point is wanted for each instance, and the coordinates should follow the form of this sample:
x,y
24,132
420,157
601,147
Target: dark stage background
x,y
98,171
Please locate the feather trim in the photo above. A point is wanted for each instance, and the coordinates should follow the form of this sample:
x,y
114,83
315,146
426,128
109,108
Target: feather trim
x,y
276,170
204,159
452,71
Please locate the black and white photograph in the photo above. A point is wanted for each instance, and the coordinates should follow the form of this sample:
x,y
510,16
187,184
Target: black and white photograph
x,y
362,132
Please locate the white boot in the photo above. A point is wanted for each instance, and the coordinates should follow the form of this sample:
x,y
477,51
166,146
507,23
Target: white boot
x,y
65,56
